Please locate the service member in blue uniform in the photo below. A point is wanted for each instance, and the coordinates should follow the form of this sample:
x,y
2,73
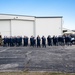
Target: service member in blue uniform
x,y
15,40
55,40
69,39
8,41
25,40
31,41
38,41
49,41
62,40
43,41
59,40
34,41
11,41
66,39
18,40
4,41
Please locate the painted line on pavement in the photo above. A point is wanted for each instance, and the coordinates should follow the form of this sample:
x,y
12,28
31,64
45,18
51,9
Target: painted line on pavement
x,y
4,49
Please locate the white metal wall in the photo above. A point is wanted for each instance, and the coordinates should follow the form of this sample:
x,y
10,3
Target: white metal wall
x,y
19,17
13,25
22,27
48,26
5,27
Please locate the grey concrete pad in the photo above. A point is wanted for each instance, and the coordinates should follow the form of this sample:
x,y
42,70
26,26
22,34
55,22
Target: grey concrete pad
x,y
51,58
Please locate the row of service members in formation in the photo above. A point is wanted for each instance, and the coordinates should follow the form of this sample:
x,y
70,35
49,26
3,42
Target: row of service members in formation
x,y
19,41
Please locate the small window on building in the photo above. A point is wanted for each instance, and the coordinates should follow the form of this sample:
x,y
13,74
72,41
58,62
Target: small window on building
x,y
64,31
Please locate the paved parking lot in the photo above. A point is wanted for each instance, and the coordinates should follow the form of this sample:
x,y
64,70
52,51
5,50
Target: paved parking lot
x,y
53,58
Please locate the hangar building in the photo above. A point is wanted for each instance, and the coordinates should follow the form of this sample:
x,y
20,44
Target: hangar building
x,y
20,25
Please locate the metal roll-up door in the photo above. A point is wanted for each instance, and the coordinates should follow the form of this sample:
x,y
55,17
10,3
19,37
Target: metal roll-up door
x,y
5,27
22,27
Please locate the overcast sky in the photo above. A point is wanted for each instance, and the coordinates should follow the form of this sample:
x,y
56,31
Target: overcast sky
x,y
65,8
